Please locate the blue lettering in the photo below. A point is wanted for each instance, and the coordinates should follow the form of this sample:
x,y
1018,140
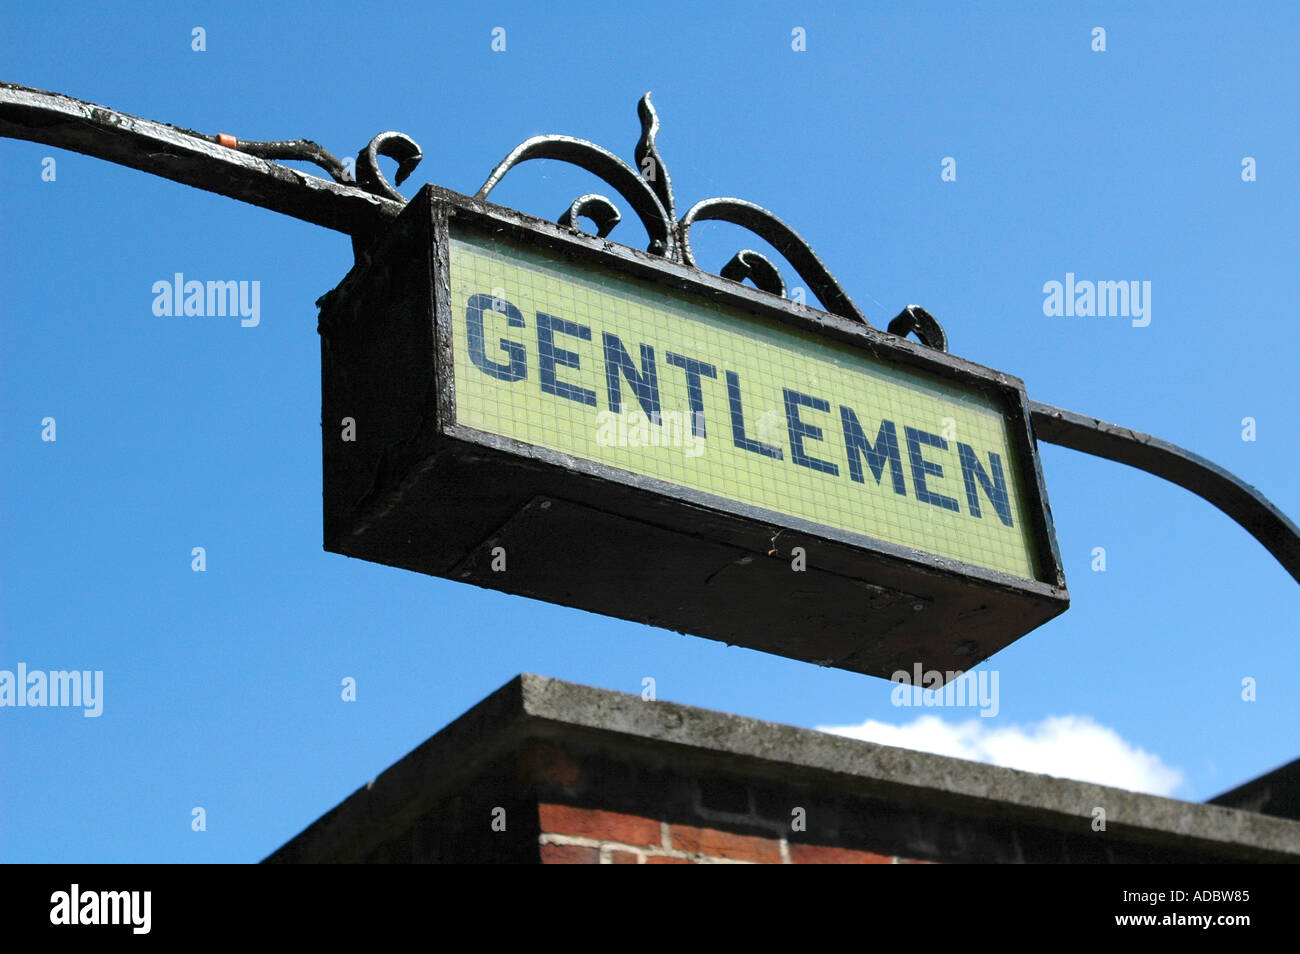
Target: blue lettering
x,y
922,467
548,356
517,369
738,422
800,429
996,488
694,393
645,385
884,453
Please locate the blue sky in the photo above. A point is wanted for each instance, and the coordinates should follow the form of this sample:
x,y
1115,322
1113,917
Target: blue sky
x,y
222,688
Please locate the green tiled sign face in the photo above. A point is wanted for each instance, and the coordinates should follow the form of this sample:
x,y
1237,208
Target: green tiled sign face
x,y
670,386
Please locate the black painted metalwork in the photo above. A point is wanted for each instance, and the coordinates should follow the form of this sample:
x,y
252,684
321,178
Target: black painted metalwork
x,y
599,162
752,265
648,189
781,237
244,171
649,162
1240,501
303,149
597,208
394,145
202,161
915,319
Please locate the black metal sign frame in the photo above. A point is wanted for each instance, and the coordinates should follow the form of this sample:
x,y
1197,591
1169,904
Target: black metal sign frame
x,y
419,490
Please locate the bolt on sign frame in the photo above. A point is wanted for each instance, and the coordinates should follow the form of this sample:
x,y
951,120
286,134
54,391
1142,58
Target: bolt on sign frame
x,y
481,454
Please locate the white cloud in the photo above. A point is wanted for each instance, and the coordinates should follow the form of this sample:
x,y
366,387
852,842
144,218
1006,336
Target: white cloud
x,y
1069,746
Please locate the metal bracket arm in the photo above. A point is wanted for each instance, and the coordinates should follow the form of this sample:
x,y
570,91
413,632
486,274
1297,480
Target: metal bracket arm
x,y
242,170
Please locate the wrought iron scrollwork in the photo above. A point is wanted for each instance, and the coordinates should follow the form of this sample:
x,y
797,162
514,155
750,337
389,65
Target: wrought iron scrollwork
x,y
302,149
605,165
652,166
597,208
755,266
916,320
361,203
781,237
369,176
648,190
394,145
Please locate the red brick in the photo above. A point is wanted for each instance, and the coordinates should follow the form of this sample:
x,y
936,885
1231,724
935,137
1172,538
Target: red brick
x,y
828,855
726,844
598,823
569,855
617,857
544,762
665,860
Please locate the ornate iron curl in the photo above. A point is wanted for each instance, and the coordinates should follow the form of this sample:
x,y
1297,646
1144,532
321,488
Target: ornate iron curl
x,y
648,161
394,145
597,208
752,265
604,165
780,236
916,319
369,176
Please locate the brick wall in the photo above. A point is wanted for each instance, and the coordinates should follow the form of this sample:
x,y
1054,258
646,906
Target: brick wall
x,y
586,836
671,817
549,772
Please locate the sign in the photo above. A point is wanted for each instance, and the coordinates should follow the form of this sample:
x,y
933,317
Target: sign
x,y
705,397
512,403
